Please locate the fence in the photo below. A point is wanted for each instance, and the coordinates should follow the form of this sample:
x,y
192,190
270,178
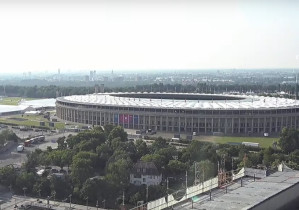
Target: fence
x,y
192,191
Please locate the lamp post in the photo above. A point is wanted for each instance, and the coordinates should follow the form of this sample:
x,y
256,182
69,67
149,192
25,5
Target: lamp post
x,y
167,184
104,202
24,189
87,202
70,196
97,205
146,193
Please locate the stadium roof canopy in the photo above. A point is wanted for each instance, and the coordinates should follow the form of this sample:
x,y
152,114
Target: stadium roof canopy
x,y
182,101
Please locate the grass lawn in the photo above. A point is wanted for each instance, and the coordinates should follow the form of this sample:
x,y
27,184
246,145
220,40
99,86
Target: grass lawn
x,y
263,141
30,120
13,100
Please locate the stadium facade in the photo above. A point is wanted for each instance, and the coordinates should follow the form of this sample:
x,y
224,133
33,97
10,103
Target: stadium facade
x,y
182,113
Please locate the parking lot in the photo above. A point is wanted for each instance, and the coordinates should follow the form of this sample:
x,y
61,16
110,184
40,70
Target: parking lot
x,y
11,156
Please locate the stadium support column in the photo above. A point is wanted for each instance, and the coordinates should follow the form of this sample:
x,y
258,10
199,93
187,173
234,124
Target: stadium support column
x,y
198,121
239,127
161,123
100,118
265,124
192,125
271,118
172,120
245,127
212,124
225,126
258,125
205,125
167,123
233,123
185,126
276,124
138,121
179,124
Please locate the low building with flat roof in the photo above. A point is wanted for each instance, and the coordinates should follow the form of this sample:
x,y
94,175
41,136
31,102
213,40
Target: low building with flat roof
x,y
276,191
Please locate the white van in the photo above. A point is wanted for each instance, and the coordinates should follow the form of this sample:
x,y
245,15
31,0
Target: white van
x,y
175,139
20,148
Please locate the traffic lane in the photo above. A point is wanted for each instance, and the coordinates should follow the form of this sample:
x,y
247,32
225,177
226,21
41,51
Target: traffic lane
x,y
12,157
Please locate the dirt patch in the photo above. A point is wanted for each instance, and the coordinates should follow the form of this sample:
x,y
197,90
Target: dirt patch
x,y
206,138
17,119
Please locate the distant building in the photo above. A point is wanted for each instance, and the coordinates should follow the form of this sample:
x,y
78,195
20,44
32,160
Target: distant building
x,y
145,173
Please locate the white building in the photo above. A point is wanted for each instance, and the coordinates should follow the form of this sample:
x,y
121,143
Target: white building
x,y
145,173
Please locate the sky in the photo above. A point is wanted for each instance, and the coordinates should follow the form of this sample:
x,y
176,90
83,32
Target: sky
x,y
47,35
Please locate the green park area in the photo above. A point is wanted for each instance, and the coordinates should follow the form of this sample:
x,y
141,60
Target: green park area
x,y
29,120
13,100
264,142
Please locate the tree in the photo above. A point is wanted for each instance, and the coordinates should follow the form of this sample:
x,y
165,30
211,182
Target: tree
x,y
42,187
116,132
159,143
289,140
118,172
62,145
7,175
207,169
7,135
81,170
141,148
158,160
26,180
176,167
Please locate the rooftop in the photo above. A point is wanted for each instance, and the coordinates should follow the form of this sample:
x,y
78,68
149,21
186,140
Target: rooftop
x,y
145,168
204,101
251,194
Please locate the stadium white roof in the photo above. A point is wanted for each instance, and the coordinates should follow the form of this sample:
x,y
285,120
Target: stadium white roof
x,y
247,102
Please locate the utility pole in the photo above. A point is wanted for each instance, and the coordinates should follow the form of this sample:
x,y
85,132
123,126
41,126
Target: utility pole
x,y
97,205
146,193
70,201
123,197
87,202
104,201
186,180
24,189
232,165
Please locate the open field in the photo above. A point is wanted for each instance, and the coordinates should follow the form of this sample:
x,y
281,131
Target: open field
x,y
29,120
263,141
13,100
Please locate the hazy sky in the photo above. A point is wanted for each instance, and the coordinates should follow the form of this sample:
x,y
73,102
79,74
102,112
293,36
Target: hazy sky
x,y
102,35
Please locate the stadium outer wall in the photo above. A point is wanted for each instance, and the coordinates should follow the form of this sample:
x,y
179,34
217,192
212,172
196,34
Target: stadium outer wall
x,y
181,120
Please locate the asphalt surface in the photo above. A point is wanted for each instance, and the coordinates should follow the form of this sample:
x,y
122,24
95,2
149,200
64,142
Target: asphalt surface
x,y
11,156
15,200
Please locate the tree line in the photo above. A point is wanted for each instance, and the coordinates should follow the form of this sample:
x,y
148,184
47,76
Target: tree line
x,y
52,91
97,164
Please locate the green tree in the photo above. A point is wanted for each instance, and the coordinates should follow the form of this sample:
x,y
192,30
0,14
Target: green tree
x,y
176,167
141,148
7,175
159,143
116,132
61,141
118,172
7,135
158,160
26,180
81,170
289,140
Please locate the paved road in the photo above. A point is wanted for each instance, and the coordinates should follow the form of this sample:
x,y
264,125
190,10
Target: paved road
x,y
10,203
11,156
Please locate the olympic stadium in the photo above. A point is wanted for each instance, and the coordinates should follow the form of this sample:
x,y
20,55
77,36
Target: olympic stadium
x,y
182,112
